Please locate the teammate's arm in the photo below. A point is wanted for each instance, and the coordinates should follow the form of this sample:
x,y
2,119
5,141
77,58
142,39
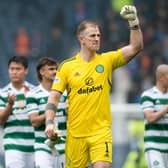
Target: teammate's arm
x,y
37,119
51,109
152,116
129,13
4,113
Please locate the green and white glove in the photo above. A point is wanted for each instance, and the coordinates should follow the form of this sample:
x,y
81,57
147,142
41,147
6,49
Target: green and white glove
x,y
129,13
52,143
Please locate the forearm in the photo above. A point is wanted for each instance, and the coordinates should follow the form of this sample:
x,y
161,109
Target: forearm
x,y
135,45
51,109
51,106
38,120
4,114
49,122
136,40
49,115
155,116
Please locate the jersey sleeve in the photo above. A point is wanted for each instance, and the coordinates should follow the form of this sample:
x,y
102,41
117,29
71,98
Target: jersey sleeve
x,y
2,101
59,82
115,58
146,103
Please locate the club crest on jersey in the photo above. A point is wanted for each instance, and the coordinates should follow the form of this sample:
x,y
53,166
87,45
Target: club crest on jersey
x,y
99,68
56,80
21,103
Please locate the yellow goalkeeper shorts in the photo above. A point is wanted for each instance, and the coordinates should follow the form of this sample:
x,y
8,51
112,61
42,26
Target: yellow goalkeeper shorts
x,y
80,151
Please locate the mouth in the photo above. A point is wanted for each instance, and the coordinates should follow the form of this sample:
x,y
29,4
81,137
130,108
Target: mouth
x,y
14,77
96,44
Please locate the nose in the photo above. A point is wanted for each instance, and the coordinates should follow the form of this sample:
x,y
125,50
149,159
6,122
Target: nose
x,y
14,71
97,37
55,72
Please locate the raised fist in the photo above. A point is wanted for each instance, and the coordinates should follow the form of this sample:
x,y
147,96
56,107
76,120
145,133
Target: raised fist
x,y
129,13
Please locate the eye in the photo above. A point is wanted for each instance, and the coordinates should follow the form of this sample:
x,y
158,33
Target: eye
x,y
95,35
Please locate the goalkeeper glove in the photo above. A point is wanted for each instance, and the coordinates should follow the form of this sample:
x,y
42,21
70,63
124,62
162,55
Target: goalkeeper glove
x,y
129,13
52,142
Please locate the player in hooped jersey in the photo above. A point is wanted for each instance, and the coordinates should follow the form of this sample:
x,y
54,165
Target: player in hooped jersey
x,y
18,136
154,103
36,103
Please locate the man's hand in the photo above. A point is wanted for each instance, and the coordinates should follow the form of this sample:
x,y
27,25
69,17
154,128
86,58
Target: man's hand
x,y
50,132
165,109
11,98
129,13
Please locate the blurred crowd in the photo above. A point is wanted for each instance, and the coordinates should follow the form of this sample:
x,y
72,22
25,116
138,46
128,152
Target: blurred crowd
x,y
39,27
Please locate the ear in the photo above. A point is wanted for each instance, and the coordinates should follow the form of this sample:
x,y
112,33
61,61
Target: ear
x,y
41,71
80,38
26,71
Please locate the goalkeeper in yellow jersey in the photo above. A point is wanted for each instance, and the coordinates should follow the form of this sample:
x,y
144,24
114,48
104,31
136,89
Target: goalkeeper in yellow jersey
x,y
87,77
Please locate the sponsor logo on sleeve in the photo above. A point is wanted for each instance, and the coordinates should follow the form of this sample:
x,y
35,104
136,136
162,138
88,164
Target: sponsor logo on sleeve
x,y
56,80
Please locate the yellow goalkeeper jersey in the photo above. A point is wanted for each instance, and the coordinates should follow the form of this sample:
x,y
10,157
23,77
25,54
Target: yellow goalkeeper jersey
x,y
88,85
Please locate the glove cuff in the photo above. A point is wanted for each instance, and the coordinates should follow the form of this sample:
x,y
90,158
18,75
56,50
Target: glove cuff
x,y
133,23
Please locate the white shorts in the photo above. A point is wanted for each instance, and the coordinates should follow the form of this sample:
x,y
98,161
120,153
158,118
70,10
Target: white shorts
x,y
46,160
156,159
18,159
60,161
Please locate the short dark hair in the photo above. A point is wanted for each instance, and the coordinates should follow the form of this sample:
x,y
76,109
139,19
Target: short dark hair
x,y
83,25
42,62
19,59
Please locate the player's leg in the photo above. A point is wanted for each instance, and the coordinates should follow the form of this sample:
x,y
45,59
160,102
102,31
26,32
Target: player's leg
x,y
29,160
60,161
165,156
101,149
76,152
14,159
44,159
101,164
154,159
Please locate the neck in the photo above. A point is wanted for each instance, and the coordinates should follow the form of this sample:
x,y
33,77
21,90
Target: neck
x,y
18,85
161,88
46,85
87,55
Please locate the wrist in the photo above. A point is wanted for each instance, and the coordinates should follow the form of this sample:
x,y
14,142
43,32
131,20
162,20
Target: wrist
x,y
11,103
134,23
52,107
49,121
134,27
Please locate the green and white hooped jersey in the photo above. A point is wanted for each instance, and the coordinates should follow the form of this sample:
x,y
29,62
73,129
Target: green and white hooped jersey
x,y
36,103
156,134
18,132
